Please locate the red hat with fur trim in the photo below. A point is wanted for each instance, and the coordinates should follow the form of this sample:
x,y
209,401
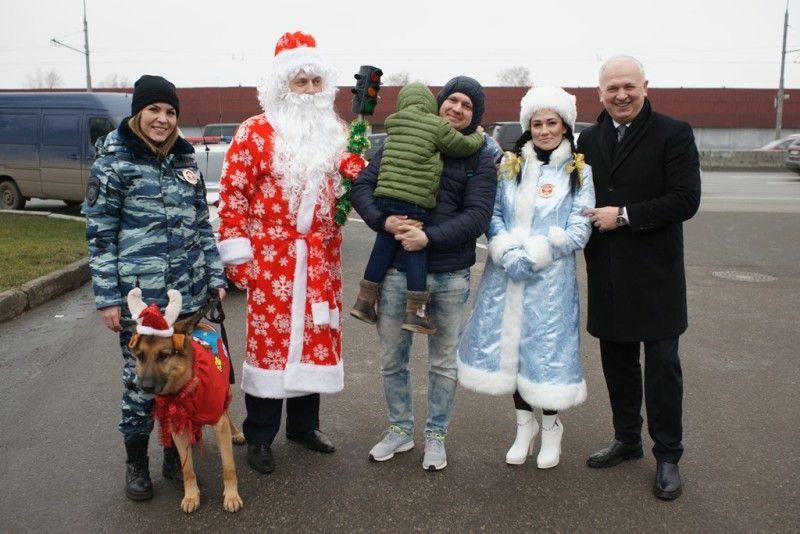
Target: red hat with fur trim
x,y
151,322
294,50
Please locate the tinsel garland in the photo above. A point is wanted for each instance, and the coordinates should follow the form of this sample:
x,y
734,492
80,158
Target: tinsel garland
x,y
350,167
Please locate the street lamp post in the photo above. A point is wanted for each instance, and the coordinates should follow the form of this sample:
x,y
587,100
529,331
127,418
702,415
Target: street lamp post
x,y
85,50
779,99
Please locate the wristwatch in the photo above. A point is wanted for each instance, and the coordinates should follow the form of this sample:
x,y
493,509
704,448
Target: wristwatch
x,y
621,220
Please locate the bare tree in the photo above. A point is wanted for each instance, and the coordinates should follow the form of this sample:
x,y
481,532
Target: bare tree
x,y
397,78
518,76
44,80
115,81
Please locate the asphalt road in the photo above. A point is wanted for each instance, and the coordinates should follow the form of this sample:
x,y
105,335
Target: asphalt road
x,y
62,458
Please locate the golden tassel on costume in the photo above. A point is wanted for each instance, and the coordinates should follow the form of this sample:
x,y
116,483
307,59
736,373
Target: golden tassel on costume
x,y
577,163
510,166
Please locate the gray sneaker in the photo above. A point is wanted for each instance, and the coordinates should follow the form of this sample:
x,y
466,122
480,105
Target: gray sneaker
x,y
435,458
394,440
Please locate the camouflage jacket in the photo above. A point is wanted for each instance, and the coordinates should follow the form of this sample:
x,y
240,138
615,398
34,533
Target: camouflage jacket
x,y
147,225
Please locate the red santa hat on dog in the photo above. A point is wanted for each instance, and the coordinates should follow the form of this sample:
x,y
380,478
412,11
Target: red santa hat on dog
x,y
149,318
293,51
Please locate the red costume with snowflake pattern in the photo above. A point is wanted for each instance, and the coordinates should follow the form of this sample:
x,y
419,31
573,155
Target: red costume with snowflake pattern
x,y
294,281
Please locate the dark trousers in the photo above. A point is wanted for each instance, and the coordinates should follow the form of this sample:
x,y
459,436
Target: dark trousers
x,y
385,248
264,417
663,393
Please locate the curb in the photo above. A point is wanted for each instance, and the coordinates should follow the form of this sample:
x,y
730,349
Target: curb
x,y
15,301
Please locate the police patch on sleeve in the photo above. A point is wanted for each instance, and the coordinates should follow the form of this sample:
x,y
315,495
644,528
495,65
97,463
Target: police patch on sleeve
x,y
93,190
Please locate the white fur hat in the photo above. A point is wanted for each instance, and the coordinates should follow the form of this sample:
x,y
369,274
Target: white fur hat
x,y
553,98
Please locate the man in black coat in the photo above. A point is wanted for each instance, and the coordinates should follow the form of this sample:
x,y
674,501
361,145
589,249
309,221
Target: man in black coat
x,y
647,182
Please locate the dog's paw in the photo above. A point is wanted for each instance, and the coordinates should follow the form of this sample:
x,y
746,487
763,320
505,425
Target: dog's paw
x,y
232,503
190,503
238,438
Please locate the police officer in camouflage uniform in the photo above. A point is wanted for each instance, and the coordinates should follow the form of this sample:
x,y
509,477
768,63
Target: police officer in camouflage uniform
x,y
147,227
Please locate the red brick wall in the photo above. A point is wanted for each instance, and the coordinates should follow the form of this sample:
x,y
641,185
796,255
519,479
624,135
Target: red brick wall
x,y
710,108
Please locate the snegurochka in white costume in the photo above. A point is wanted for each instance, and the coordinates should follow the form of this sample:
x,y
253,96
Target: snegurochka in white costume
x,y
522,337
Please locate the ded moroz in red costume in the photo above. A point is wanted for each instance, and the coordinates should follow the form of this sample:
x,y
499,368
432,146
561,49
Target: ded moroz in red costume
x,y
278,237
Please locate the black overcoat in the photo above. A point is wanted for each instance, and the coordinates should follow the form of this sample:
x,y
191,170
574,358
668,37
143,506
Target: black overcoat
x,y
637,281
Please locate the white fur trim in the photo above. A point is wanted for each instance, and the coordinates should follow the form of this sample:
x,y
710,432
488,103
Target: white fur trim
x,y
272,384
235,251
562,153
335,318
557,236
292,60
511,327
553,98
150,331
321,313
538,248
298,318
485,382
552,396
500,244
313,378
519,234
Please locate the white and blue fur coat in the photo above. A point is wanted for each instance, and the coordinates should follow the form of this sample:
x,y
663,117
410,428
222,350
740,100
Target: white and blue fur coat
x,y
524,336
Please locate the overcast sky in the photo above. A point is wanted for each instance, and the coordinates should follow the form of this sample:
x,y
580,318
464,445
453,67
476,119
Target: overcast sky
x,y
682,43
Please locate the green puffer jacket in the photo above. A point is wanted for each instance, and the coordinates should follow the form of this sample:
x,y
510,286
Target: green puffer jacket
x,y
417,139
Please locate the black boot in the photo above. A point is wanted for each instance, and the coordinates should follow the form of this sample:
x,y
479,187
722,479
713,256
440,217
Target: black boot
x,y
138,486
171,468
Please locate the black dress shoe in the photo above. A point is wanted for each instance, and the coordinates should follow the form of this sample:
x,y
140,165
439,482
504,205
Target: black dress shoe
x,y
668,481
615,453
314,440
260,458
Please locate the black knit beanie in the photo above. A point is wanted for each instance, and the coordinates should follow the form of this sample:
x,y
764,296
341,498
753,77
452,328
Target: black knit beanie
x,y
474,90
150,89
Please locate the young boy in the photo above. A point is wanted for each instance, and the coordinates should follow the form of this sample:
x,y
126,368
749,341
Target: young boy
x,y
408,182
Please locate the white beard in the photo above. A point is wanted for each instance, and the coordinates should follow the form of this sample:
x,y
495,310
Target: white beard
x,y
308,142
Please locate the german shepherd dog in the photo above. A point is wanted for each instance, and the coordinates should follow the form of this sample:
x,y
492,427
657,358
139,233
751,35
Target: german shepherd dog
x,y
165,363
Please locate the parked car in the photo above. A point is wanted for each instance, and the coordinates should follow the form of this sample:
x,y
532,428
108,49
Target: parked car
x,y
209,160
47,142
225,130
506,133
792,160
781,144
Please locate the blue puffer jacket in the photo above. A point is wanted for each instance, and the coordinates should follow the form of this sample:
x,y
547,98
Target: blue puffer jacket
x,y
463,209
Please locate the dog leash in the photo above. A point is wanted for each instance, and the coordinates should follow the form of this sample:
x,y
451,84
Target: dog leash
x,y
214,313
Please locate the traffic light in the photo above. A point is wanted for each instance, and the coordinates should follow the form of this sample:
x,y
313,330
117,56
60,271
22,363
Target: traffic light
x,y
365,93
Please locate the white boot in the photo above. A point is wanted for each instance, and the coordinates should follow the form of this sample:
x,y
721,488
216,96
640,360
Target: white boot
x,y
552,430
527,427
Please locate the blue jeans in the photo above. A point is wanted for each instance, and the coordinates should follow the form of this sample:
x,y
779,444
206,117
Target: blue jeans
x,y
449,293
385,247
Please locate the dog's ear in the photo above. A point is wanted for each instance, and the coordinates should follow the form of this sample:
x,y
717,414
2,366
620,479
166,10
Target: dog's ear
x,y
178,340
132,344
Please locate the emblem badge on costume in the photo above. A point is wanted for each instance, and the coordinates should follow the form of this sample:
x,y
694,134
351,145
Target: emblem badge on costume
x,y
189,176
546,190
